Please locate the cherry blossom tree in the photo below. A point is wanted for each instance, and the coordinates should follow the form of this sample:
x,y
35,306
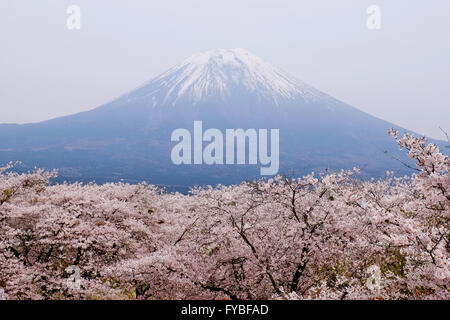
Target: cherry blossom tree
x,y
321,236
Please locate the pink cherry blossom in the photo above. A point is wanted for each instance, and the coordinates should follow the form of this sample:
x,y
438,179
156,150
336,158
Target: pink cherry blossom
x,y
314,237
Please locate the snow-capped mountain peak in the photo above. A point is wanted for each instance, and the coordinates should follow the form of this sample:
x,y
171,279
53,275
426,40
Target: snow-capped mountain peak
x,y
220,73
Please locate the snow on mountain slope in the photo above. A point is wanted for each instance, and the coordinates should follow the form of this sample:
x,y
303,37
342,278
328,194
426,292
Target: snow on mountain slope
x,y
130,137
219,74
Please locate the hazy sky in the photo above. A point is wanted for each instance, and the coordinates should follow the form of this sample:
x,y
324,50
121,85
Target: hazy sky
x,y
400,73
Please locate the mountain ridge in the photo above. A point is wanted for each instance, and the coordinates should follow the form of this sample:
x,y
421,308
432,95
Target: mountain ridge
x,y
129,137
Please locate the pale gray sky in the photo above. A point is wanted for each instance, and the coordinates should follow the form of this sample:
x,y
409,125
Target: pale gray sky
x,y
400,73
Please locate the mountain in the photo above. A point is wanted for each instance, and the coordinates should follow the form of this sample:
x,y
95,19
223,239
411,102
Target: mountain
x,y
130,138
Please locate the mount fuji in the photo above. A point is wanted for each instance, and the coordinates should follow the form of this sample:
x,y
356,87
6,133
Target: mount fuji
x,y
129,138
